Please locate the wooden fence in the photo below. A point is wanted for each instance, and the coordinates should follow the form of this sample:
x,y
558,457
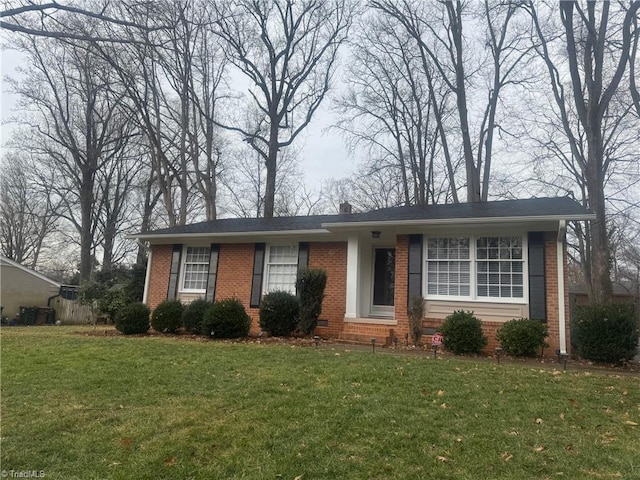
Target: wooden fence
x,y
72,312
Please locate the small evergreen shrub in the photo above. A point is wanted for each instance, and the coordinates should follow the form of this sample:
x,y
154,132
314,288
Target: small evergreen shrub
x,y
112,301
416,316
522,337
605,333
463,333
167,317
310,285
193,315
133,318
226,319
279,313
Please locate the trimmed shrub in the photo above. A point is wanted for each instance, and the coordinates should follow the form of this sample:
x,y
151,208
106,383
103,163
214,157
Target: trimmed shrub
x,y
522,337
167,317
193,315
226,319
605,333
279,313
463,333
416,316
310,285
133,318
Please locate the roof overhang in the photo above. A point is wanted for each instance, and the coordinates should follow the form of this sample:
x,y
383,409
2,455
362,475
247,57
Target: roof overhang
x,y
229,235
457,221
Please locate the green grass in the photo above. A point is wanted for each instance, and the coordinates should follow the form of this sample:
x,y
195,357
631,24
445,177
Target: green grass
x,y
85,407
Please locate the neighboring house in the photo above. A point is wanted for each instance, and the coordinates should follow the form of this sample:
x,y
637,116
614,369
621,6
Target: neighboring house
x,y
22,287
501,260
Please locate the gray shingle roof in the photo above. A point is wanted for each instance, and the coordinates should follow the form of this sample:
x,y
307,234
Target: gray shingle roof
x,y
557,207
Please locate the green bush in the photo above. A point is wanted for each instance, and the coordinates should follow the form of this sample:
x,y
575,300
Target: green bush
x,y
133,318
112,301
279,313
226,319
463,333
167,317
416,316
522,337
310,285
605,333
193,315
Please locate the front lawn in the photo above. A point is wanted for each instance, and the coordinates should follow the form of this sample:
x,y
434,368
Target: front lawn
x,y
87,407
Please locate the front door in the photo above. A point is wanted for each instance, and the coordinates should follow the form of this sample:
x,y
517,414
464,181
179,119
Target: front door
x,y
384,273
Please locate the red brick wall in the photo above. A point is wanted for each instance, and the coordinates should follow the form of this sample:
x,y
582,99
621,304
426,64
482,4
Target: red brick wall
x,y
235,271
332,257
159,275
401,285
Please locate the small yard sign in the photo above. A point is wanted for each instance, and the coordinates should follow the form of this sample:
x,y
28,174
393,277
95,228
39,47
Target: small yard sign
x,y
436,339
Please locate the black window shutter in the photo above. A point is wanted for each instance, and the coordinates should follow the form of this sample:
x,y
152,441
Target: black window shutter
x,y
214,252
172,291
537,283
303,256
303,259
256,280
414,285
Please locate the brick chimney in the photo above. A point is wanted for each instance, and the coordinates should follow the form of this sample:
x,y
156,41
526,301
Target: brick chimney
x,y
345,208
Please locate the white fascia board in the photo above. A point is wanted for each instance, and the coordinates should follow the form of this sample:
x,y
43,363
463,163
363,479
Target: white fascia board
x,y
228,235
457,221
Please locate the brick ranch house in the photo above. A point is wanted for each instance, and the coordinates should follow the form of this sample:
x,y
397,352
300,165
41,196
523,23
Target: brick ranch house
x,y
499,259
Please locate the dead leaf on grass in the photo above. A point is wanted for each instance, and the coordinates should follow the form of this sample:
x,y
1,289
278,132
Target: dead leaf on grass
x,y
629,422
538,421
440,393
444,405
126,442
442,459
539,448
506,456
170,461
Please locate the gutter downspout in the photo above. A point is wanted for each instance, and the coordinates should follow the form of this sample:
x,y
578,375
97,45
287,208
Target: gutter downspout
x,y
147,274
562,230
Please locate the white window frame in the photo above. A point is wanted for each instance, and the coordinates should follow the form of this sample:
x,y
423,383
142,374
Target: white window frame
x,y
473,288
268,265
183,268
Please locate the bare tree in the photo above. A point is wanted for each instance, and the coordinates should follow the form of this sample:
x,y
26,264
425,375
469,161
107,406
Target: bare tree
x,y
388,110
78,125
28,212
287,50
65,21
597,52
438,28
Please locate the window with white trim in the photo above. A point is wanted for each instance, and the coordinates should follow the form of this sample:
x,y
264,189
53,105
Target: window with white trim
x,y
196,269
448,267
475,267
281,268
499,266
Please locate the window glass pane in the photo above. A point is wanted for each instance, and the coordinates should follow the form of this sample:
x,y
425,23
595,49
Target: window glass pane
x,y
196,268
448,266
501,257
282,268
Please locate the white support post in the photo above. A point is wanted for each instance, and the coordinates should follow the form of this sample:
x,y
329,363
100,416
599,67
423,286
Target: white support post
x,y
353,277
561,287
147,276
